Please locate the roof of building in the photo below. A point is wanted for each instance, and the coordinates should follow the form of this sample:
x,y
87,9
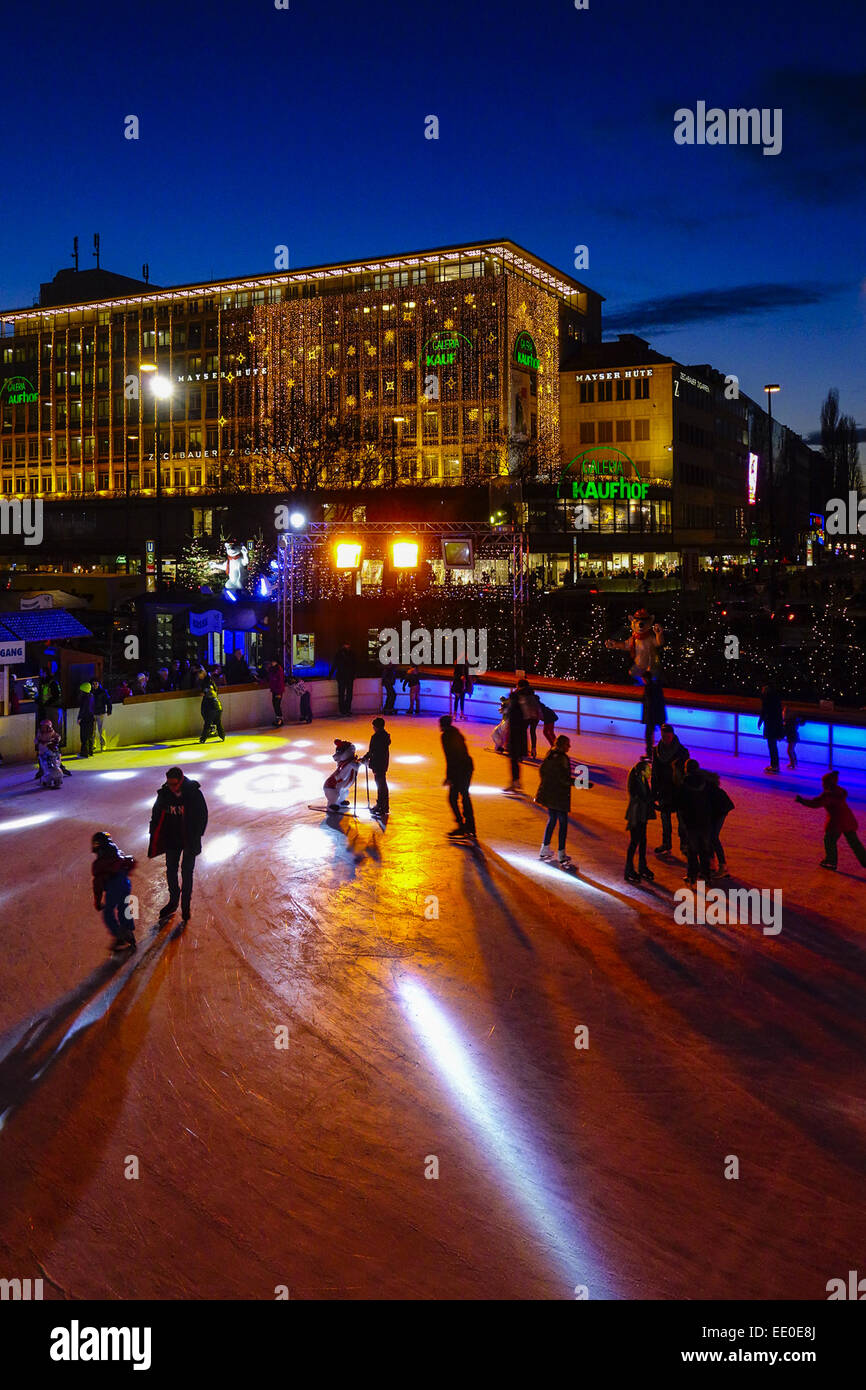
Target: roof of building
x,y
502,248
46,625
627,351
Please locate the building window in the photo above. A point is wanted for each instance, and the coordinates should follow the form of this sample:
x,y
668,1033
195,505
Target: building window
x,y
641,388
605,390
623,430
641,429
605,431
623,390
587,392
587,432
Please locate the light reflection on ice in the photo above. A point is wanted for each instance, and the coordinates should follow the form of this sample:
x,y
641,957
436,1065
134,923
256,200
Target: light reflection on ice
x,y
530,864
22,822
302,743
218,850
308,842
117,776
270,788
409,758
507,1135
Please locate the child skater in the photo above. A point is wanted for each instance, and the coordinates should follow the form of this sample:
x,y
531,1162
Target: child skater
x,y
111,888
840,820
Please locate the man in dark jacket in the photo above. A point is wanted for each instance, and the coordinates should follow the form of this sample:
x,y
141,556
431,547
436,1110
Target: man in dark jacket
x,y
49,700
773,724
516,739
101,708
458,774
377,758
343,670
177,823
211,712
389,682
668,770
86,719
695,810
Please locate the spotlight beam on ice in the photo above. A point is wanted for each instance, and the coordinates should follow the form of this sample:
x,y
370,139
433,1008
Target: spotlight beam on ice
x,y
504,1133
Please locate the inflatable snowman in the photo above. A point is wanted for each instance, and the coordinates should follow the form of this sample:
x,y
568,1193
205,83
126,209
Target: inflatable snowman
x,y
336,787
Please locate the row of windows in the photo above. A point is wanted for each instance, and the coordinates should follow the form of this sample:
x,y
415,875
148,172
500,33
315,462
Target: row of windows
x,y
633,388
604,431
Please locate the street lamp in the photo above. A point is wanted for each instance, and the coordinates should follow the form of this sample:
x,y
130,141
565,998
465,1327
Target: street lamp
x,y
770,390
395,421
162,389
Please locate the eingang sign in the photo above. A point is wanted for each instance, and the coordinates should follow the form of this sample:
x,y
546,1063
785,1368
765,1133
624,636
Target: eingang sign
x,y
600,476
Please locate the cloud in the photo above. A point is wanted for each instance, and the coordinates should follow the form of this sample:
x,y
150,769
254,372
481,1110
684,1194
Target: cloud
x,y
704,306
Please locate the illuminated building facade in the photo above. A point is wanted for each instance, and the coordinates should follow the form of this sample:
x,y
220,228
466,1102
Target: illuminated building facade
x,y
440,367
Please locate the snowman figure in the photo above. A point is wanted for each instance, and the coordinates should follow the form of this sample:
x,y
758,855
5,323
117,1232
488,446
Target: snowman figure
x,y
646,641
236,563
336,786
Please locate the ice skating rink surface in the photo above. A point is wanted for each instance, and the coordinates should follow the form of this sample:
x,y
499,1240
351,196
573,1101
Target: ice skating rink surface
x,y
355,1072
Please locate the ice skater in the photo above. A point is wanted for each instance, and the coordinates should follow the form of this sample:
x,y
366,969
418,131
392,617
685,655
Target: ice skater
x,y
412,681
461,686
47,744
277,684
111,890
211,712
668,770
530,708
377,758
516,739
773,724
101,709
86,719
458,775
177,823
389,682
554,794
640,810
791,726
343,777
653,712
721,807
840,821
695,812
549,718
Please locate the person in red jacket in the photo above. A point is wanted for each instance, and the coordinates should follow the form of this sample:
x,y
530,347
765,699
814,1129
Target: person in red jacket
x,y
277,682
111,890
840,820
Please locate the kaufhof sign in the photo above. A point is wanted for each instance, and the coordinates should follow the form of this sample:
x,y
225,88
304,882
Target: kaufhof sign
x,y
18,390
602,474
525,354
443,348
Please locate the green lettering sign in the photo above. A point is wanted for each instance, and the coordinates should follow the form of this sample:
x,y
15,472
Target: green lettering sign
x,y
442,349
18,390
524,354
598,475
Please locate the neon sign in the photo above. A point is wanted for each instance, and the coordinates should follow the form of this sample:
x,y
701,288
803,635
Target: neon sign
x,y
525,354
442,347
753,479
602,478
21,391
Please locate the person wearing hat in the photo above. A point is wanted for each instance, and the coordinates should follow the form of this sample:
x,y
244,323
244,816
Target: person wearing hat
x,y
377,758
86,718
840,820
111,890
641,810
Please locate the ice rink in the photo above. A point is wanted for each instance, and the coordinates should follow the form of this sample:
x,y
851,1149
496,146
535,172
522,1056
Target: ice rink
x,y
430,994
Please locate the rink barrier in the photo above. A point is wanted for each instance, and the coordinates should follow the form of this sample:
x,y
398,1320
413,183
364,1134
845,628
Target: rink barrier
x,y
724,724
148,719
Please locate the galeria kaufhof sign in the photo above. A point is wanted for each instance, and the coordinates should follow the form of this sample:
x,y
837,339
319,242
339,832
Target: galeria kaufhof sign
x,y
524,354
443,348
18,390
598,475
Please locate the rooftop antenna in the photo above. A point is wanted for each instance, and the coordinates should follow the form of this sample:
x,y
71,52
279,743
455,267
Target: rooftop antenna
x,y
75,251
145,272
96,248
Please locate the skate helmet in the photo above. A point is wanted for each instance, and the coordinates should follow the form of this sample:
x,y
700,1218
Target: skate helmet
x,y
85,687
100,838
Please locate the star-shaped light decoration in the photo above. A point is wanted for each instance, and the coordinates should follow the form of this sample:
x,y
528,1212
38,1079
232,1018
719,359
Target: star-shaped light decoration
x,y
449,323
389,335
522,309
350,400
368,395
230,376
330,372
389,386
222,421
451,382
469,299
371,350
408,364
241,357
491,337
290,382
350,351
251,337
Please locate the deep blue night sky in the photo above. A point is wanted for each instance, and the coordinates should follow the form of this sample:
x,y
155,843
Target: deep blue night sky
x,y
306,127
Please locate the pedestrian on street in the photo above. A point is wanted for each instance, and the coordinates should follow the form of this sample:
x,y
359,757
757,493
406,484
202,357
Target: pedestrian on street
x,y
111,890
668,770
177,823
640,810
516,739
693,805
840,820
554,793
773,723
377,758
792,730
86,719
211,713
412,681
277,683
101,708
343,670
721,806
458,775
